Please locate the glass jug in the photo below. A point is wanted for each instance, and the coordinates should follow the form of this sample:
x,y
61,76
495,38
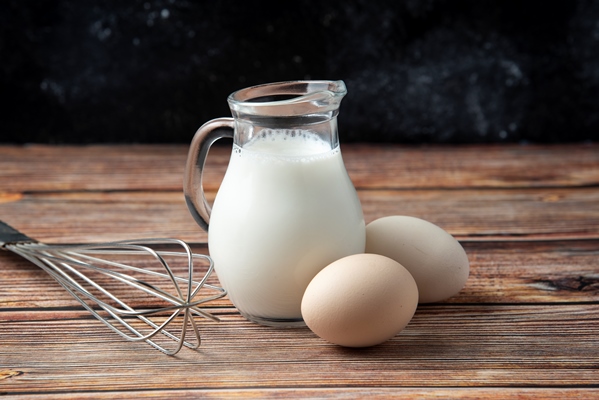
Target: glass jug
x,y
286,207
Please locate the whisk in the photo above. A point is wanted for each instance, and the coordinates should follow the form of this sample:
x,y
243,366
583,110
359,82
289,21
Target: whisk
x,y
85,270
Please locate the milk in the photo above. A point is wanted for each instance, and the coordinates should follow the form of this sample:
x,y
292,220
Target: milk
x,y
286,209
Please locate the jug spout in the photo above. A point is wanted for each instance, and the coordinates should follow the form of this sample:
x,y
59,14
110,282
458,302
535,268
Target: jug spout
x,y
288,99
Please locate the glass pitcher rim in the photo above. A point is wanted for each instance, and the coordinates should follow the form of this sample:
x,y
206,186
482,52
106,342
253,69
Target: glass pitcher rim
x,y
288,98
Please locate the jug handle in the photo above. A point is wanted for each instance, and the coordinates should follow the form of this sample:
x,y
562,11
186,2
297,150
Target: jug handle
x,y
193,189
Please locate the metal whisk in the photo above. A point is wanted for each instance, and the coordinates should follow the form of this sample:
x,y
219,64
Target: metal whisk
x,y
85,271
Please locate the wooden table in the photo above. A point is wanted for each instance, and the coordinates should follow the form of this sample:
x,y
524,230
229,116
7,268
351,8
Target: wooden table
x,y
525,326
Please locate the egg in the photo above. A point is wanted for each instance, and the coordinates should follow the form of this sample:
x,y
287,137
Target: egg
x,y
435,259
360,300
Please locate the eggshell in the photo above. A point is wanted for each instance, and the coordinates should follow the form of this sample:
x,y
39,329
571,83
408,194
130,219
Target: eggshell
x,y
435,259
360,300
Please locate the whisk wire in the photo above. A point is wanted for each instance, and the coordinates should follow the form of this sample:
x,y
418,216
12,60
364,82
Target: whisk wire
x,y
65,263
76,290
150,289
149,272
129,280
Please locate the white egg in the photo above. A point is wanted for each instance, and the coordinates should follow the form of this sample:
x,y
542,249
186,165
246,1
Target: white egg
x,y
435,259
360,300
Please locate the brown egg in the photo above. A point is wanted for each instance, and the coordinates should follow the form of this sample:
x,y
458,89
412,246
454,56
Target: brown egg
x,y
360,300
435,259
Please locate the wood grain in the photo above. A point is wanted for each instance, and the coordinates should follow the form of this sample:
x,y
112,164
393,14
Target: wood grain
x,y
443,346
472,166
524,326
146,167
347,393
489,214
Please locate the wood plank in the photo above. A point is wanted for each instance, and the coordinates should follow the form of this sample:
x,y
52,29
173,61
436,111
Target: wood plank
x,y
346,393
84,217
488,214
374,166
96,167
529,272
501,273
444,345
160,167
493,214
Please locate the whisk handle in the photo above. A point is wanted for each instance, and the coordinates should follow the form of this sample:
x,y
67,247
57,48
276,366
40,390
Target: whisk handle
x,y
9,235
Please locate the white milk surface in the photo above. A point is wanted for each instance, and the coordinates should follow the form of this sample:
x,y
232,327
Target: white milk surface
x,y
285,209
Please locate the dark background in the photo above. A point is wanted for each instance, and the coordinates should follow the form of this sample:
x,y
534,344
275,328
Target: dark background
x,y
417,71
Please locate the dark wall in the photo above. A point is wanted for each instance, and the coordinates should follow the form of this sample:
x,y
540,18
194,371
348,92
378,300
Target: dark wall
x,y
416,70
